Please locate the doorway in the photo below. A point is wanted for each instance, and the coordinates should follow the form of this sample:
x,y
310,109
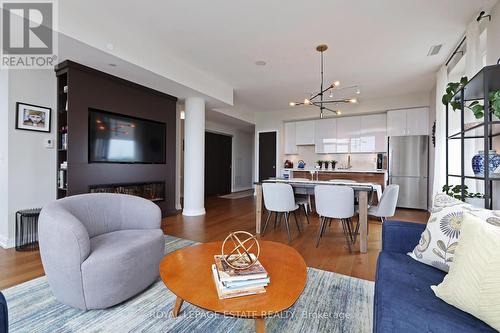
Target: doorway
x,y
267,155
218,157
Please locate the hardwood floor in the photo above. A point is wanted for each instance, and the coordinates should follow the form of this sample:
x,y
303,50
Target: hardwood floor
x,y
224,216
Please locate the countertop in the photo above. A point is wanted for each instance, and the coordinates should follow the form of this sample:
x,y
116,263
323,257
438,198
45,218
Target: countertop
x,y
352,170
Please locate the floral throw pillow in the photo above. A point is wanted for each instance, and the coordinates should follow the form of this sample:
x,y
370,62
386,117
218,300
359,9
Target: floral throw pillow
x,y
440,238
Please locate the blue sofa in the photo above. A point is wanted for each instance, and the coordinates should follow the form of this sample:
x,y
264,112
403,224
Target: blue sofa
x,y
4,319
404,301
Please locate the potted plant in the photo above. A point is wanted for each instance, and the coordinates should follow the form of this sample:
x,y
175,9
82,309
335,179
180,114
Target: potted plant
x,y
333,162
455,191
475,107
325,163
320,163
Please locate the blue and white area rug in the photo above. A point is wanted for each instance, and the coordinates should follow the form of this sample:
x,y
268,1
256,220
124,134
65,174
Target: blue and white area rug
x,y
330,303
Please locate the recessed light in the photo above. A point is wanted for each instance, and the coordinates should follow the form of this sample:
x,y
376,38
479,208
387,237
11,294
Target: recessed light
x,y
260,63
110,46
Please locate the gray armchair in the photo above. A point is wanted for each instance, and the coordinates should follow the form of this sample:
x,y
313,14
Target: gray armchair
x,y
100,249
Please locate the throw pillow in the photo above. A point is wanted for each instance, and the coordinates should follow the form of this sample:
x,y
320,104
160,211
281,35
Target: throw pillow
x,y
440,238
473,283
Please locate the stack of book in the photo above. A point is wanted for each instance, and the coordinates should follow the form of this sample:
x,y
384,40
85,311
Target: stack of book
x,y
231,282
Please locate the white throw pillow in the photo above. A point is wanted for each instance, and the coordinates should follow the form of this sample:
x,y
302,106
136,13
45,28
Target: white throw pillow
x,y
440,238
473,283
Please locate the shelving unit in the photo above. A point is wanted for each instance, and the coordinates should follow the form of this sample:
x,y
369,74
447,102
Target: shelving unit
x,y
477,89
62,130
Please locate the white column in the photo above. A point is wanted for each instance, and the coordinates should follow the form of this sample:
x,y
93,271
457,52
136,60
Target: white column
x,y
194,157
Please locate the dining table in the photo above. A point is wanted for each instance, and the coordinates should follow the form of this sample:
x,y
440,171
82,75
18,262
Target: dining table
x,y
361,190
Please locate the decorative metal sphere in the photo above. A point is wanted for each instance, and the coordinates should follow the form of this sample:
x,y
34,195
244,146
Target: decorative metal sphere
x,y
236,250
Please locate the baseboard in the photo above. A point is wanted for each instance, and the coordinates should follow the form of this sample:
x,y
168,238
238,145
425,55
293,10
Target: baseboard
x,y
7,243
193,212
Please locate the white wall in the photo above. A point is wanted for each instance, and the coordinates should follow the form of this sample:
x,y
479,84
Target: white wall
x,y
242,154
492,56
432,149
31,168
493,36
273,120
4,151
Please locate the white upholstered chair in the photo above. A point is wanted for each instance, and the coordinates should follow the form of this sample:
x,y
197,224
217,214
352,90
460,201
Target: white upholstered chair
x,y
279,199
335,202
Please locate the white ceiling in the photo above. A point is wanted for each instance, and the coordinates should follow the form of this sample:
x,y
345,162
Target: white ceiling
x,y
381,45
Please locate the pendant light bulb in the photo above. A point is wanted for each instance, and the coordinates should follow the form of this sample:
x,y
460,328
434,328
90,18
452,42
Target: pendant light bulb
x,y
292,104
307,102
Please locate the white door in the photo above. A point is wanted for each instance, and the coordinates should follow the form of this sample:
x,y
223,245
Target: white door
x,y
348,135
374,133
417,121
290,145
325,136
396,123
304,132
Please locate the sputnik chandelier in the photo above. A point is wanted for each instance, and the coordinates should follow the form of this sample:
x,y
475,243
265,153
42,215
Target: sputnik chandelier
x,y
318,99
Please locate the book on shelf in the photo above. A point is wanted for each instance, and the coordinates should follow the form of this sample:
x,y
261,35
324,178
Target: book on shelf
x,y
228,274
64,141
224,292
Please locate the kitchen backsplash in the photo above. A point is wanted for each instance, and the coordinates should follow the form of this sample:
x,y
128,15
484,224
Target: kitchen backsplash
x,y
308,155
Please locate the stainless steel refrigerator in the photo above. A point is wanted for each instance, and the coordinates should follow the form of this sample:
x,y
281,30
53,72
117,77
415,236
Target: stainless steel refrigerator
x,y
408,168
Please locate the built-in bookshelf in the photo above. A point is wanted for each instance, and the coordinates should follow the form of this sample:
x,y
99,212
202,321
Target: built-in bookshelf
x,y
62,134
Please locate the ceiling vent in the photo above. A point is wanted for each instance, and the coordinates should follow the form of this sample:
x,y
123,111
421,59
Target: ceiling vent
x,y
434,50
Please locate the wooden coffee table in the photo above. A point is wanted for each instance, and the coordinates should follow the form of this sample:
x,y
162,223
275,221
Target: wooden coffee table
x,y
187,273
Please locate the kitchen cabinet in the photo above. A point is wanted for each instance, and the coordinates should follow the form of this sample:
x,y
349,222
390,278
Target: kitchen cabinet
x,y
290,145
304,132
373,133
417,121
325,136
348,135
408,122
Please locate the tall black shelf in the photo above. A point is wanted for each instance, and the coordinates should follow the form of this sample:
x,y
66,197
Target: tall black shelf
x,y
478,88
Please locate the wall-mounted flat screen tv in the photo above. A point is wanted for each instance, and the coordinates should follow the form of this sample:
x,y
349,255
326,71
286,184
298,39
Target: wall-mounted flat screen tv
x,y
116,138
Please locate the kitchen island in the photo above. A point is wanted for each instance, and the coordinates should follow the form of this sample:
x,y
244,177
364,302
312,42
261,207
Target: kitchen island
x,y
376,176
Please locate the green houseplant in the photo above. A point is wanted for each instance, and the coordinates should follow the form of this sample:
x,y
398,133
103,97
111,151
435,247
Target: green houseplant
x,y
455,191
333,163
320,163
476,108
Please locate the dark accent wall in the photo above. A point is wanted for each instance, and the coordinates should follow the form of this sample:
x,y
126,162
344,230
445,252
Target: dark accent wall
x,y
90,88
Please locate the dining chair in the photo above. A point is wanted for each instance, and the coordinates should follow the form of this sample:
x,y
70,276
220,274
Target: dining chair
x,y
335,202
303,199
279,199
387,205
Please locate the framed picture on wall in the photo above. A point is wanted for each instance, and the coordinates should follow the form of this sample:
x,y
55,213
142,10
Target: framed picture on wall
x,y
33,117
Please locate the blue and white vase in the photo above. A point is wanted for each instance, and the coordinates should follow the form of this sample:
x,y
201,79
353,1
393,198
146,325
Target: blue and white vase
x,y
478,162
